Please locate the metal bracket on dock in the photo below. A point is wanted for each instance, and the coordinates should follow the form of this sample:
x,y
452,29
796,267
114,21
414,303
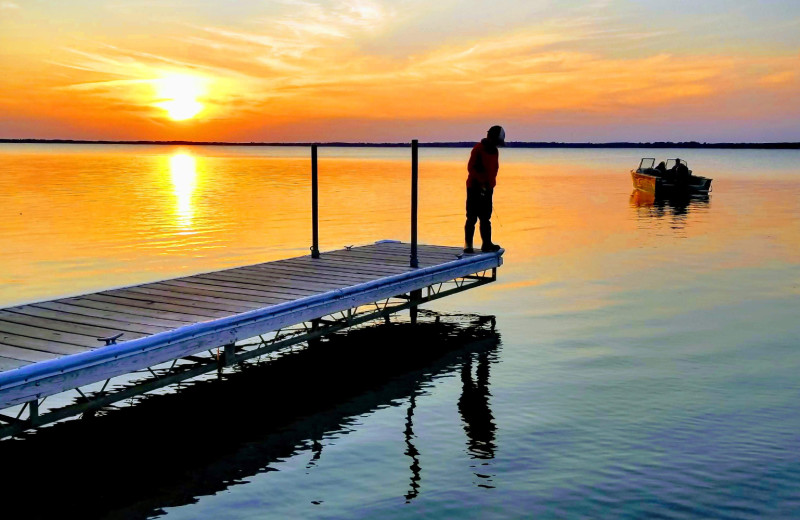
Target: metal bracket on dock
x,y
111,340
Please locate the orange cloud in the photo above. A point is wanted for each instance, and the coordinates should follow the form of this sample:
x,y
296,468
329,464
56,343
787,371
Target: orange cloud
x,y
779,78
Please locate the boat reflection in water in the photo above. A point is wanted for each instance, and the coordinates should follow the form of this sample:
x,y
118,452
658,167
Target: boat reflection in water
x,y
212,434
647,205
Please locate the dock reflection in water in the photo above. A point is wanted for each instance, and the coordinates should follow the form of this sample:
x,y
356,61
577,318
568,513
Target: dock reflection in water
x,y
169,450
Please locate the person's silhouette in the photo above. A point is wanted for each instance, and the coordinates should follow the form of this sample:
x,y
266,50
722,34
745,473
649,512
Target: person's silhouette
x,y
681,171
484,162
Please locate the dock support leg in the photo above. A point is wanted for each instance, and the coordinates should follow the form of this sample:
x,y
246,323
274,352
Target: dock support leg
x,y
229,355
33,411
415,297
313,342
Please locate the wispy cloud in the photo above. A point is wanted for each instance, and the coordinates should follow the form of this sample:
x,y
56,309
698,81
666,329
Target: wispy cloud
x,y
8,6
339,20
782,78
297,72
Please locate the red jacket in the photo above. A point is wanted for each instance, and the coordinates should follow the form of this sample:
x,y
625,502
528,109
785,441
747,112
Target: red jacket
x,y
483,165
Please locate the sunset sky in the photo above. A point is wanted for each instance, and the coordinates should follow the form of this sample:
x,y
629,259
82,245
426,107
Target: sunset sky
x,y
370,70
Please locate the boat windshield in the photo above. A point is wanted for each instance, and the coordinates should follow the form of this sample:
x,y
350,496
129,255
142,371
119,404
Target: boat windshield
x,y
646,163
671,163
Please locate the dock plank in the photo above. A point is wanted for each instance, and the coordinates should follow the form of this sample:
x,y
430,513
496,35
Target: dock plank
x,y
140,304
230,289
32,331
420,247
327,272
325,259
252,282
333,265
312,274
405,249
42,345
387,258
303,273
214,296
428,255
63,326
142,323
148,294
357,264
25,354
125,310
285,280
10,363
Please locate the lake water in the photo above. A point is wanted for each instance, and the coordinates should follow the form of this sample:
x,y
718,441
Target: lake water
x,y
644,360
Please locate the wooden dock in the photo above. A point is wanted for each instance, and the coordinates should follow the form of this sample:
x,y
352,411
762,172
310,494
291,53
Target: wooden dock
x,y
55,346
174,330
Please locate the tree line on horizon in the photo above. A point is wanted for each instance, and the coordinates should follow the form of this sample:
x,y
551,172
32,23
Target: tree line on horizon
x,y
440,144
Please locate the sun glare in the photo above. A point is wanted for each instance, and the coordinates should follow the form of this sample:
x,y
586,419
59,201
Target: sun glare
x,y
183,170
178,95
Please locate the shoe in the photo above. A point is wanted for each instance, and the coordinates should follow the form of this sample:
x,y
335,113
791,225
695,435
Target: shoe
x,y
490,248
469,250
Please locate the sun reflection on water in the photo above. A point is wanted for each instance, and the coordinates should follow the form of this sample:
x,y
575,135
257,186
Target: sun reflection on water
x,y
183,171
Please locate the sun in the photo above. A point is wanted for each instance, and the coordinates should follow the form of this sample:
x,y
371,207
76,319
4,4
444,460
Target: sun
x,y
180,109
178,94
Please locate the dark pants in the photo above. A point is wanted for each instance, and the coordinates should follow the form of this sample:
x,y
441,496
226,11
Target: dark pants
x,y
479,206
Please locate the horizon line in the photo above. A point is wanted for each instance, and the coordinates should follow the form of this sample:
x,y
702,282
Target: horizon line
x,y
430,144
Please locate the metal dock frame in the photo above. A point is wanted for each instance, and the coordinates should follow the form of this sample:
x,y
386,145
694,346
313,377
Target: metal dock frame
x,y
199,349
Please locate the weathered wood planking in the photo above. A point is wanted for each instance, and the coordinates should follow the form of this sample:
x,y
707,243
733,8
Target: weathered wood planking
x,y
157,307
9,363
210,303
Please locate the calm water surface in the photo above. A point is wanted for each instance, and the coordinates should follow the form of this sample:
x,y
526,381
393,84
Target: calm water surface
x,y
643,364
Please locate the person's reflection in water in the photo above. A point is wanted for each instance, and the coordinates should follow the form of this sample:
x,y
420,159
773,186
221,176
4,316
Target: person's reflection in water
x,y
476,413
412,451
316,449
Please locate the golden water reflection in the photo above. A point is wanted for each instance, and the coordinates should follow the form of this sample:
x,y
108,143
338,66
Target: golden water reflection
x,y
121,215
183,172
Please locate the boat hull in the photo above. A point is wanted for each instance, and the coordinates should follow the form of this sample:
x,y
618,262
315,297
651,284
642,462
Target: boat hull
x,y
659,187
644,182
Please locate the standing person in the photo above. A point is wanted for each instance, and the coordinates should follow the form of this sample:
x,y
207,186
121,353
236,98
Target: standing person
x,y
482,167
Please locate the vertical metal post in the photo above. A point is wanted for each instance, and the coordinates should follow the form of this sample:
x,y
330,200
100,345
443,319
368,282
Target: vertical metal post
x,y
414,186
229,354
314,328
33,411
415,296
314,204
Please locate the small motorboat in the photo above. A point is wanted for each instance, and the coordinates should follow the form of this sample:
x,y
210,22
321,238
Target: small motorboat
x,y
671,178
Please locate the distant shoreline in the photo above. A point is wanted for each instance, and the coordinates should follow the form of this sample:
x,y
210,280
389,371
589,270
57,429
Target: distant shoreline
x,y
456,144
